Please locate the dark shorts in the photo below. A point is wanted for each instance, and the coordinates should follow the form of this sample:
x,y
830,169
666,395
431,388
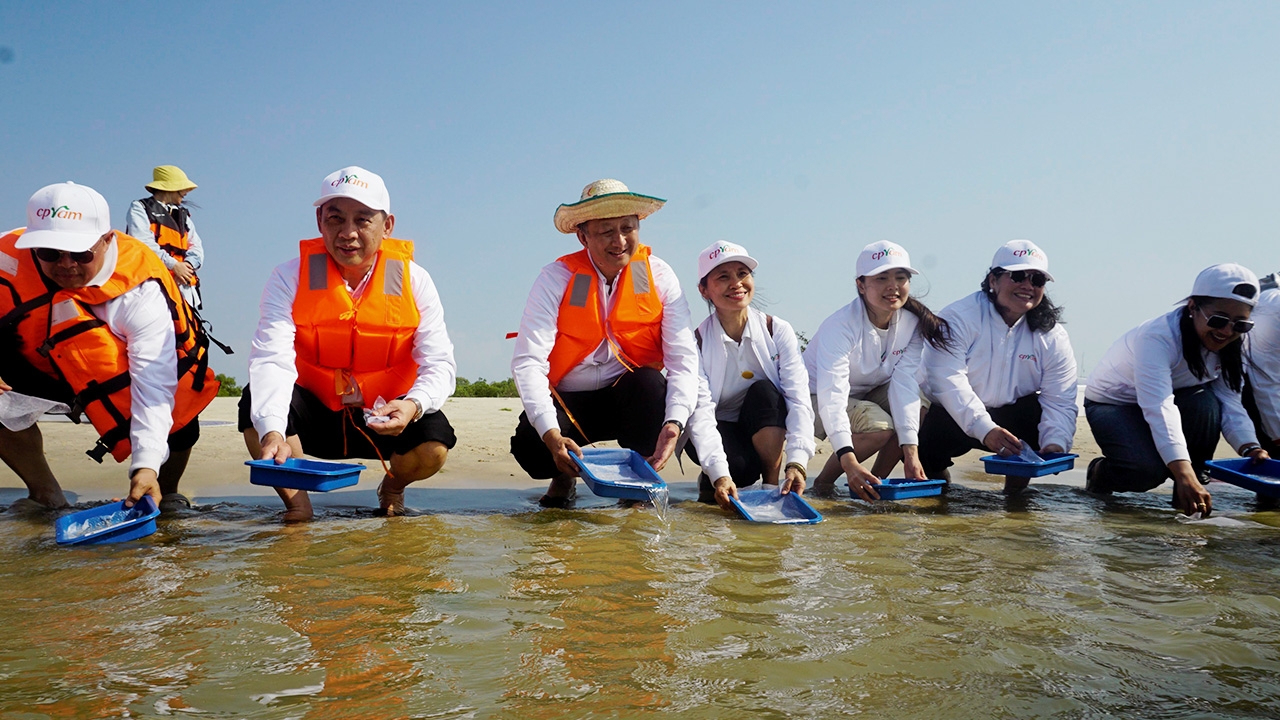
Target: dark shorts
x,y
26,379
764,406
342,434
941,439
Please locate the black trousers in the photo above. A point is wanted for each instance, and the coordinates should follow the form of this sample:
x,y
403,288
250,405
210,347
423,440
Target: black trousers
x,y
941,439
1270,444
763,406
630,411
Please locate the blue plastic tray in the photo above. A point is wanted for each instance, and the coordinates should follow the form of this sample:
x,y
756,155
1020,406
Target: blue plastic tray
x,y
618,473
902,488
770,506
303,474
1053,464
1263,478
110,523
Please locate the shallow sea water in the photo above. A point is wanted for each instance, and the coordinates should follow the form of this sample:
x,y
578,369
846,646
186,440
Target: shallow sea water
x,y
1058,605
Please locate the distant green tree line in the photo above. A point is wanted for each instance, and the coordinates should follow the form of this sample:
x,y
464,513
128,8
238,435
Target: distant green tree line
x,y
466,388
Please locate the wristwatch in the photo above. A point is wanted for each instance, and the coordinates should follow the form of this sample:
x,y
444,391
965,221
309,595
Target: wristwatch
x,y
679,425
417,404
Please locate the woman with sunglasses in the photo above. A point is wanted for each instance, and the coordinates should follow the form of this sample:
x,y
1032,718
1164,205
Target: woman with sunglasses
x,y
755,392
863,364
1161,395
1011,376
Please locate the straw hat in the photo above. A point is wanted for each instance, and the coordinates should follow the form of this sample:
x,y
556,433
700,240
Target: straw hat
x,y
605,199
170,178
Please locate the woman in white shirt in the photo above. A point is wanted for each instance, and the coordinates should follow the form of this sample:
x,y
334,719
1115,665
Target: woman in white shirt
x,y
755,390
164,214
1262,367
1163,392
863,365
1011,376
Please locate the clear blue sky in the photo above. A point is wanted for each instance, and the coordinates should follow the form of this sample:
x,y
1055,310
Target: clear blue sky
x,y
1135,142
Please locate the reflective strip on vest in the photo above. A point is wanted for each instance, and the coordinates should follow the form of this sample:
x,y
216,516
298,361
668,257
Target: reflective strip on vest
x,y
63,311
8,264
318,272
640,277
393,278
581,287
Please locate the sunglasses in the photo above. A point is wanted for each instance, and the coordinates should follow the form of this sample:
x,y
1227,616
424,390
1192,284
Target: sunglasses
x,y
49,255
1038,279
1217,322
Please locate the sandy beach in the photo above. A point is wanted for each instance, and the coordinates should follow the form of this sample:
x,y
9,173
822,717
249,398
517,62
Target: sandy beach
x,y
480,474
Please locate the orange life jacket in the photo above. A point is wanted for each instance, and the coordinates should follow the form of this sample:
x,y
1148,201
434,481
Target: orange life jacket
x,y
169,226
343,343
61,337
634,323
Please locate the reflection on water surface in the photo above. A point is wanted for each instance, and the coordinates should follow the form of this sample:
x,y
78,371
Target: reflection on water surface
x,y
1054,605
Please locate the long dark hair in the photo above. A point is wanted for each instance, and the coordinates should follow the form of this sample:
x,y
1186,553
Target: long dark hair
x,y
933,329
1230,356
1042,317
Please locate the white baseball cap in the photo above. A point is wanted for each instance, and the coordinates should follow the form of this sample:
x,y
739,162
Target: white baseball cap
x,y
65,216
883,255
1228,281
719,253
358,184
1021,255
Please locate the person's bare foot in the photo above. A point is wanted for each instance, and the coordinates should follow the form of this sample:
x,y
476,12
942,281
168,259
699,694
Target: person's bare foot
x,y
390,502
560,493
823,488
297,506
51,499
1015,485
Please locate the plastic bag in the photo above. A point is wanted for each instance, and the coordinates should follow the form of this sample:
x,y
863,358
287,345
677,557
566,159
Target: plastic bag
x,y
374,417
19,412
1029,455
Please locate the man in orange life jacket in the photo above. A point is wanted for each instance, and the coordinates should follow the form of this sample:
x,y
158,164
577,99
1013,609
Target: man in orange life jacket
x,y
351,357
91,318
598,328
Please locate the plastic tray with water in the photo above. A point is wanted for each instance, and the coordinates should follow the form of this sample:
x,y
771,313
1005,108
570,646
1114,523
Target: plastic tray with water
x,y
618,473
110,523
303,474
1018,466
769,505
902,488
1262,478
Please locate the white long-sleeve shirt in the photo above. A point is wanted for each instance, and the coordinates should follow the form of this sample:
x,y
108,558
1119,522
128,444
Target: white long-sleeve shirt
x,y
138,224
1145,366
848,358
1262,355
777,356
272,368
530,363
992,365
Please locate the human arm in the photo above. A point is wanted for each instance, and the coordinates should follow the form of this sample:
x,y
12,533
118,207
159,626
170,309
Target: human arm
x,y
830,348
1059,384
432,349
142,320
679,351
195,246
947,373
272,368
1262,353
705,435
793,381
1237,426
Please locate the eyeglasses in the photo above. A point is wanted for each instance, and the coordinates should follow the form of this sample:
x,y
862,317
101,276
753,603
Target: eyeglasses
x,y
50,255
1217,322
1038,279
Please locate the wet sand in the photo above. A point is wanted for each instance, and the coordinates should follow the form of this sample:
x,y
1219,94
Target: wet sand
x,y
480,474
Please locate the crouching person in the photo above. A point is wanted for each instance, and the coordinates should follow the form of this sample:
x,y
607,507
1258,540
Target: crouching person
x,y
352,324
92,318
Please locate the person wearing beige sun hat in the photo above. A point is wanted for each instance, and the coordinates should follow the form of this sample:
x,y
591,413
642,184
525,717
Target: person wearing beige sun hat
x,y
599,328
165,225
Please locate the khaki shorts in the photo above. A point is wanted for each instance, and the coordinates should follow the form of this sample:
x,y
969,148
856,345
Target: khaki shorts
x,y
867,414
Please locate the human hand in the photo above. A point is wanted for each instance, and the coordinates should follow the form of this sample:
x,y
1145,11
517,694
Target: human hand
x,y
1256,455
793,481
560,447
392,418
143,482
861,481
911,467
1052,448
1002,442
1189,495
725,489
666,445
4,387
275,448
183,272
